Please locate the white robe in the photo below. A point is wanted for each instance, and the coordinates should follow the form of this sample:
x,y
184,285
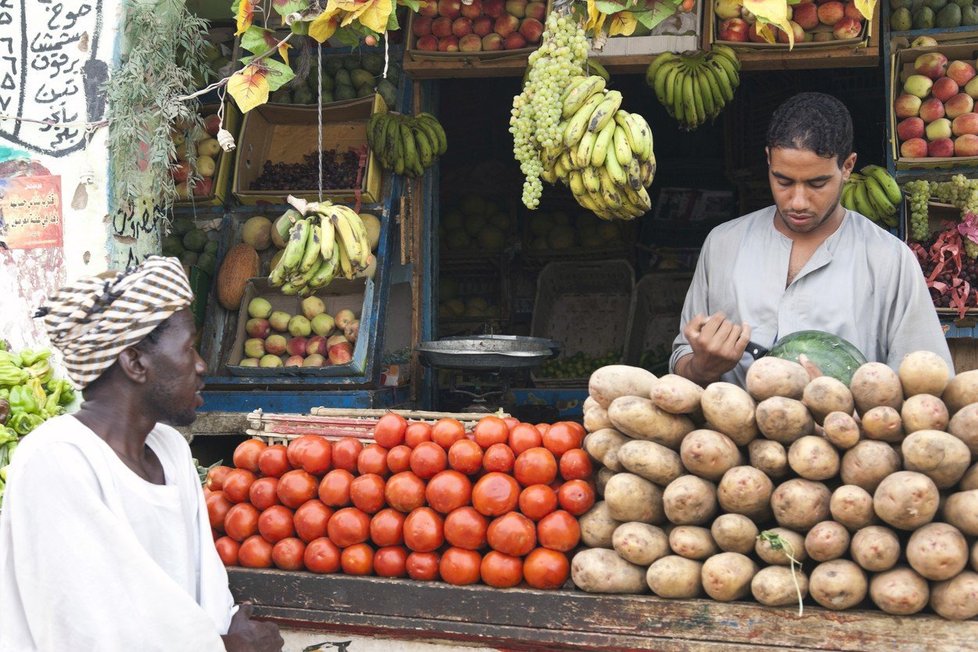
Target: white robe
x,y
93,557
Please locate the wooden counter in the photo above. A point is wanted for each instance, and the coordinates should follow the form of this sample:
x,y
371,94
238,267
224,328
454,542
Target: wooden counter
x,y
525,619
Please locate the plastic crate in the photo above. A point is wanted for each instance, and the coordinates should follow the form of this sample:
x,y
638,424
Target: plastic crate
x,y
586,307
655,318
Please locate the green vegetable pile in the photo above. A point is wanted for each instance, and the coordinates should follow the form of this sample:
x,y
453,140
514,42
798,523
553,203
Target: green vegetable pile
x,y
578,365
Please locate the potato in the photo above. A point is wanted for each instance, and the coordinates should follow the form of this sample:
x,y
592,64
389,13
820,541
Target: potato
x,y
956,598
841,429
923,412
961,390
867,463
730,410
837,584
875,548
727,576
923,372
745,490
937,551
597,526
597,419
639,418
689,500
734,533
768,456
777,586
640,543
633,498
961,511
813,458
610,382
589,404
603,445
650,460
771,376
970,478
601,479
799,504
709,454
852,506
783,419
787,543
675,577
899,591
873,383
597,570
826,541
824,395
906,500
974,556
941,457
692,542
883,423
676,395
964,426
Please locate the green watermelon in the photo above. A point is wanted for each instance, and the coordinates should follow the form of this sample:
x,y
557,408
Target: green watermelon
x,y
833,355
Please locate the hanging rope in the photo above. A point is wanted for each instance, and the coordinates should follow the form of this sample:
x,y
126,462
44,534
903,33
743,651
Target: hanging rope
x,y
319,113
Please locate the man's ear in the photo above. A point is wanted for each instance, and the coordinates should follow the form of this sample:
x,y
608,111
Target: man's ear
x,y
767,155
132,364
848,165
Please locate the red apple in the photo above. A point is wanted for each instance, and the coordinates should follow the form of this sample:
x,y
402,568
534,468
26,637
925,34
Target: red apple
x,y
340,349
531,29
470,43
258,328
733,29
296,346
461,26
753,36
494,41
966,145
482,25
421,26
796,29
316,344
212,124
204,187
314,360
966,123
851,11
944,89
831,12
275,344
506,25
493,8
473,10
428,8
931,109
448,44
180,171
806,15
427,43
961,71
442,27
846,28
914,148
906,106
294,361
536,10
941,148
959,105
514,41
910,128
516,8
932,64
450,8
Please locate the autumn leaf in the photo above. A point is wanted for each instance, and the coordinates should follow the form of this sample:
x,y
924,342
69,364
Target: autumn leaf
x,y
622,24
773,12
259,41
866,8
279,74
325,25
285,7
244,16
249,87
375,17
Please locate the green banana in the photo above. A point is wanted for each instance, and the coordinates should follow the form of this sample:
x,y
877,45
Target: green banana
x,y
439,131
312,253
722,79
326,272
678,106
860,198
623,152
296,246
710,108
656,63
615,170
663,81
878,199
689,101
886,182
426,152
728,53
729,69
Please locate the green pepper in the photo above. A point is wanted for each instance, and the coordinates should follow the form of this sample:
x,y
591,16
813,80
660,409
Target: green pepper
x,y
5,393
35,387
23,422
67,392
11,374
30,357
22,400
7,436
41,370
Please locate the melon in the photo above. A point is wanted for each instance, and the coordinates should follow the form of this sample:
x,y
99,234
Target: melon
x,y
257,232
240,264
372,224
833,355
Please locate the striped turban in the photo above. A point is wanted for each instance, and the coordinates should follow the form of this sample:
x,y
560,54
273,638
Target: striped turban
x,y
94,319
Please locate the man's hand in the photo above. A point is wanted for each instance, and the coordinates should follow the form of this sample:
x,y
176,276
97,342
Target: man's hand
x,y
718,345
247,635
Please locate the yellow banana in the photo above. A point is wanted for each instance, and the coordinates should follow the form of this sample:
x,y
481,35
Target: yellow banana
x,y
327,242
648,171
640,131
605,111
615,171
634,173
577,97
352,235
576,183
327,271
346,266
592,178
313,253
577,125
604,138
586,147
622,150
296,246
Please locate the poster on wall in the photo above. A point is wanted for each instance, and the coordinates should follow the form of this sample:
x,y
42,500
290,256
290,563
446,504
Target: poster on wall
x,y
30,212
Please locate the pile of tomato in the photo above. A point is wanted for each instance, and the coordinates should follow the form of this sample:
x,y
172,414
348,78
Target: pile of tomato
x,y
427,501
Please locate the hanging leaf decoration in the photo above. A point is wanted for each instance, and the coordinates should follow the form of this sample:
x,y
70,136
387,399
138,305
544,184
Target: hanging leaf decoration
x,y
244,15
249,87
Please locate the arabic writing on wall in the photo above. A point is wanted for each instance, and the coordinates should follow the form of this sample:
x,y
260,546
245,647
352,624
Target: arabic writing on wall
x,y
30,212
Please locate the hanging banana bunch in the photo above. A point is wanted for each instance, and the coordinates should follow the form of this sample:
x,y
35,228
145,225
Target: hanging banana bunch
x,y
406,144
695,86
874,193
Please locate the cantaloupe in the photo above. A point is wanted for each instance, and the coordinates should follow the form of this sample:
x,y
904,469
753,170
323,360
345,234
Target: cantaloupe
x,y
240,264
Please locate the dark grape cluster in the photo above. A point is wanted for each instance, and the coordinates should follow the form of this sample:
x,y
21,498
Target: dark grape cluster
x,y
339,171
968,272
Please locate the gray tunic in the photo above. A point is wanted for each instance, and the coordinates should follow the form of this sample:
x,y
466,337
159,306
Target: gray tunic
x,y
862,284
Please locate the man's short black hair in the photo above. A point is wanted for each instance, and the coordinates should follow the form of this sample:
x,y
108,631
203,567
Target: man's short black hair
x,y
814,121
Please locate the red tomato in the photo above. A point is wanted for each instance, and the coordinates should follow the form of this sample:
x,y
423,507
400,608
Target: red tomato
x,y
316,456
255,552
427,459
405,491
465,456
546,569
367,493
264,493
448,490
576,496
310,520
495,494
399,459
500,570
215,477
334,489
542,428
241,521
246,454
422,565
460,566
357,559
498,457
535,466
390,430
348,526
559,531
563,436
416,433
423,530
296,487
575,464
446,432
287,554
537,500
373,459
345,453
217,510
387,528
294,450
513,534
274,461
491,430
237,483
391,561
275,523
524,437
227,550
511,422
466,528
321,556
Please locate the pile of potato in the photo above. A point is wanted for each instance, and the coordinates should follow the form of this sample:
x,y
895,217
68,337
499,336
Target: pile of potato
x,y
794,487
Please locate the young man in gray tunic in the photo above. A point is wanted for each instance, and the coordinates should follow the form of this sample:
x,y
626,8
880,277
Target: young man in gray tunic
x,y
806,263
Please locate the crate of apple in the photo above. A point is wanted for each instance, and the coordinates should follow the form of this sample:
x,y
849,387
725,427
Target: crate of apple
x,y
935,110
816,21
313,338
482,26
208,154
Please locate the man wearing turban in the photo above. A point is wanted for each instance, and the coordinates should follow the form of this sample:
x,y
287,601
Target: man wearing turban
x,y
105,542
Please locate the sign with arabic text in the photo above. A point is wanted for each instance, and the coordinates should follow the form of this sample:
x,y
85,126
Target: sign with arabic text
x,y
30,212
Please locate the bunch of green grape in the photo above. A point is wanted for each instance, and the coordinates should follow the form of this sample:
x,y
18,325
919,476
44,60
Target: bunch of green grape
x,y
535,118
962,193
918,194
